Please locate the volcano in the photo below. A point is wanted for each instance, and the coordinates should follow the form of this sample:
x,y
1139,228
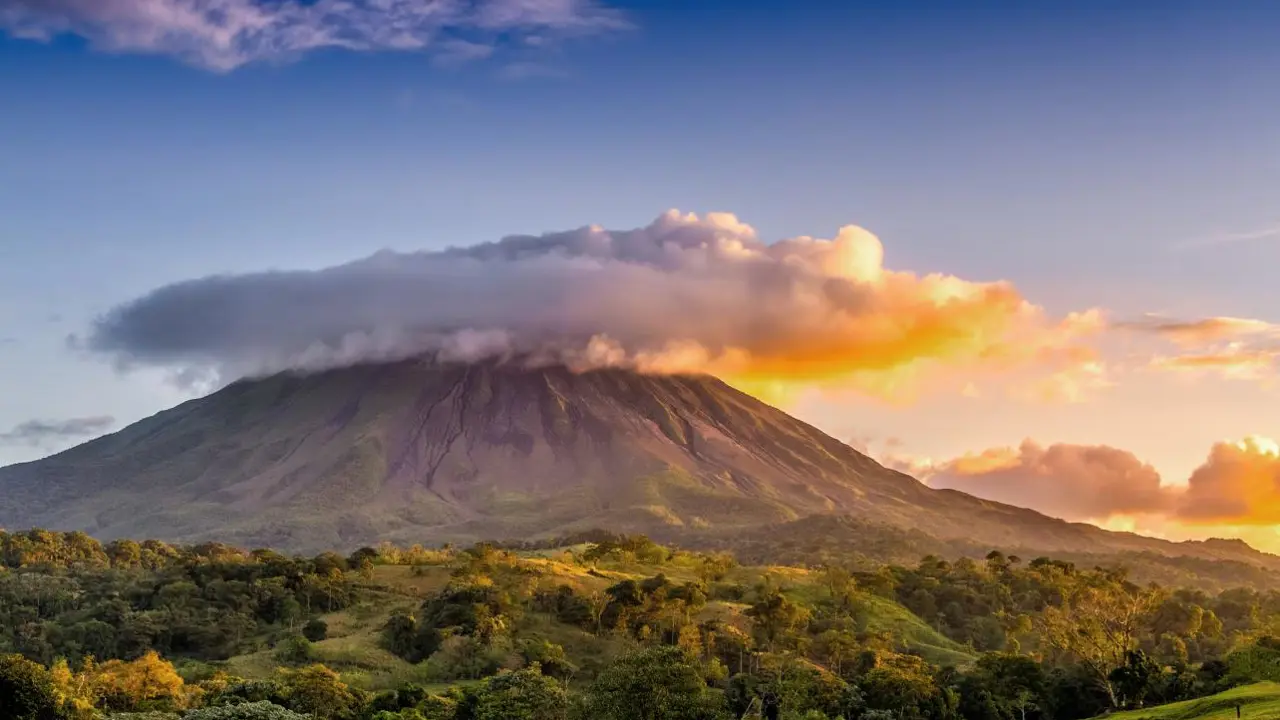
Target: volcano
x,y
422,451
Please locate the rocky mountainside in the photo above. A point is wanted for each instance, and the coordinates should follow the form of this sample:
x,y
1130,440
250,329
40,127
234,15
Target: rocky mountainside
x,y
424,452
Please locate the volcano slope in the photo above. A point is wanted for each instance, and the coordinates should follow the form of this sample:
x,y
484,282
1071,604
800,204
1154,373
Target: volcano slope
x,y
419,451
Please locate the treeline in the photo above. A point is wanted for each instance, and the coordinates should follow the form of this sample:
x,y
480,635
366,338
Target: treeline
x,y
849,541
67,595
606,627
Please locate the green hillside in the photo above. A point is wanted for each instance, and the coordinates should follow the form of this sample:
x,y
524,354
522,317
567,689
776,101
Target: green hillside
x,y
405,633
1256,702
354,646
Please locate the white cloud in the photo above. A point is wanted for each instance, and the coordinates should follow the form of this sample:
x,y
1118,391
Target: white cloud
x,y
683,294
222,35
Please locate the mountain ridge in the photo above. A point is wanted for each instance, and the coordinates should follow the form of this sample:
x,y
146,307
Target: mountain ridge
x,y
427,452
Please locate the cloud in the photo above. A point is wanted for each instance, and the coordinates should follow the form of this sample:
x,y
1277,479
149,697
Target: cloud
x,y
1192,333
38,433
1229,238
1236,361
1238,484
685,293
1228,347
1075,383
1073,482
222,35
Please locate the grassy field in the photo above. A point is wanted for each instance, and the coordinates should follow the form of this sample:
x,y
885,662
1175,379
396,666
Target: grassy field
x,y
353,646
1257,702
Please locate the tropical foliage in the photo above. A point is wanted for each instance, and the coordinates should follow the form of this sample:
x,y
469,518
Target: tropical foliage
x,y
618,628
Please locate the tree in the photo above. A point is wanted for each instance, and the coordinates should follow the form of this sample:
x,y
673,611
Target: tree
x,y
800,687
76,690
838,647
1135,679
148,683
549,656
524,694
1008,685
840,586
404,636
598,602
315,630
905,684
318,691
774,615
1100,621
294,650
659,683
27,691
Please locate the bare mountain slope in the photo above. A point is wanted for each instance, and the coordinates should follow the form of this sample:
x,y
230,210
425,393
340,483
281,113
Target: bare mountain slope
x,y
419,451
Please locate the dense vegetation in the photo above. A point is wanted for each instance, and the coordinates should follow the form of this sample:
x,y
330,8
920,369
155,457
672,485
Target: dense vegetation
x,y
605,628
851,541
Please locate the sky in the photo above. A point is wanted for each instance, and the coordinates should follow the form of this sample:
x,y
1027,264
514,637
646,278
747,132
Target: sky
x,y
1023,249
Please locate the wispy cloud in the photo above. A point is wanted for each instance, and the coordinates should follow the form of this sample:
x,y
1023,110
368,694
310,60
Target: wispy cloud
x,y
1200,331
222,35
1220,239
1236,361
37,433
1233,348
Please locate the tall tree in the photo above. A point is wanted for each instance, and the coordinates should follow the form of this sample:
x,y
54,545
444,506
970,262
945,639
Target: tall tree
x,y
1100,621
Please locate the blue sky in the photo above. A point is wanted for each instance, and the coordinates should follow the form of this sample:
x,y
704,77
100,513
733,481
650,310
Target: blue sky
x,y
1123,156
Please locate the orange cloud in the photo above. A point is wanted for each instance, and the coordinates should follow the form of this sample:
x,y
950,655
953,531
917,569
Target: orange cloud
x,y
839,316
1238,484
1235,361
1205,330
1073,482
1228,347
1235,492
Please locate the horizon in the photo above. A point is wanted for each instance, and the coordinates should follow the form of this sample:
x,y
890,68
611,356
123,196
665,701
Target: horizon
x,y
1021,251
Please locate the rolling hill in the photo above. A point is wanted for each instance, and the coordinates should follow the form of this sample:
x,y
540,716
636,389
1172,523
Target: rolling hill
x,y
1256,702
421,451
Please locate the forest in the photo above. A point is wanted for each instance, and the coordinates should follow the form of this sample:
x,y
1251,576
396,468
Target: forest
x,y
599,627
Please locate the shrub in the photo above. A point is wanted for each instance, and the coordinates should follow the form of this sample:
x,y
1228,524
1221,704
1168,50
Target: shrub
x,y
294,650
249,711
316,630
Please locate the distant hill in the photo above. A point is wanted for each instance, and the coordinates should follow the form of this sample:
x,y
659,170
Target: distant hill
x,y
420,451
